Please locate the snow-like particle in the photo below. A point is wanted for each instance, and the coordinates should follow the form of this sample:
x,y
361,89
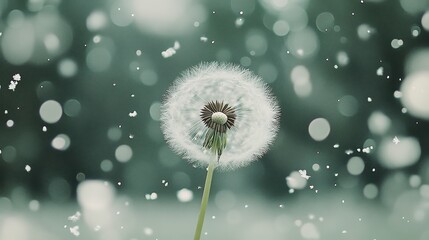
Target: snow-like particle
x,y
203,39
132,114
380,71
75,231
16,77
27,168
147,231
395,140
304,174
75,217
171,51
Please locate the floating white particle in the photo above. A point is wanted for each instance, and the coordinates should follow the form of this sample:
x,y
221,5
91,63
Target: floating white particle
x,y
396,140
75,231
315,167
366,150
44,129
213,217
336,145
380,71
344,231
34,205
246,206
152,196
75,217
97,228
132,114
281,206
168,53
139,52
311,186
291,190
342,201
349,151
369,99
176,45
303,174
27,168
203,39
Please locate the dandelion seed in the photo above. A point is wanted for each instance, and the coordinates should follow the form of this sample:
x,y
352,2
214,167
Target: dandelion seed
x,y
396,140
132,114
75,231
75,217
304,174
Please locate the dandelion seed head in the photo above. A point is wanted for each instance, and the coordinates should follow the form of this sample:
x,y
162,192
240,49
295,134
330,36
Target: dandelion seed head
x,y
249,114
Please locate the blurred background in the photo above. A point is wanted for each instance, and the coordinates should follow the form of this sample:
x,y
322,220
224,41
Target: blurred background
x,y
81,150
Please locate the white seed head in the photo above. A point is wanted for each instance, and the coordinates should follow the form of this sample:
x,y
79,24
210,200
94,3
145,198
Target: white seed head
x,y
219,118
256,114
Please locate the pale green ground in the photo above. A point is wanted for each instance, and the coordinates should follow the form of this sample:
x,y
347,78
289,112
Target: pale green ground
x,y
261,219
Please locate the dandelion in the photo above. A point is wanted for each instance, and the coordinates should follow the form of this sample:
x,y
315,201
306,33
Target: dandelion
x,y
219,115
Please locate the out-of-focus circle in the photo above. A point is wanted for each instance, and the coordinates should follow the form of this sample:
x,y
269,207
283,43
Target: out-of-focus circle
x,y
417,61
397,155
185,195
256,42
348,106
114,133
295,181
99,59
414,6
309,231
415,97
281,28
95,194
123,153
72,107
355,165
303,44
106,165
154,111
342,58
167,17
51,111
365,31
148,77
67,68
59,189
61,142
97,20
325,21
300,77
268,72
319,129
370,191
378,123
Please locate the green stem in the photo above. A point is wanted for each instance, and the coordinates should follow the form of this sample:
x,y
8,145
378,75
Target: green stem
x,y
204,200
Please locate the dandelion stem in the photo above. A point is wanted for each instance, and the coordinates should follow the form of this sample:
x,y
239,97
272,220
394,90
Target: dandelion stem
x,y
205,199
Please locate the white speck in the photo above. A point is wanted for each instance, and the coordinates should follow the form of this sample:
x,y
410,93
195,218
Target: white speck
x,y
342,201
246,206
213,217
327,167
132,114
291,190
349,151
396,140
203,39
171,51
27,168
344,231
311,186
239,22
366,150
97,228
336,66
380,71
16,77
75,231
118,212
131,136
336,145
369,99
75,217
119,183
303,174
336,174
139,52
44,129
373,170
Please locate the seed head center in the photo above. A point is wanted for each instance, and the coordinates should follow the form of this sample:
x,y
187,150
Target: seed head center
x,y
219,118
